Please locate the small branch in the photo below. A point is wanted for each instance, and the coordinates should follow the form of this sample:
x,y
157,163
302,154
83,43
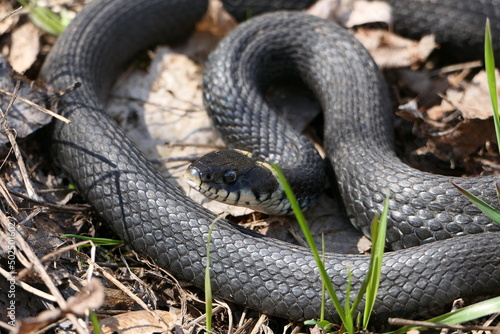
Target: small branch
x,y
12,139
34,105
15,11
67,208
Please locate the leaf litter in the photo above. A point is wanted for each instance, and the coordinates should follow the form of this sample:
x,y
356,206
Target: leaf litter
x,y
444,112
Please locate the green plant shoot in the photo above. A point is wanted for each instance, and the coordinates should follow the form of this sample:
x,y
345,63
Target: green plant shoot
x,y
489,63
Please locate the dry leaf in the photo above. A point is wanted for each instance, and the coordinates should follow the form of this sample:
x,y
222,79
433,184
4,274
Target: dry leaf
x,y
25,47
460,124
139,322
365,12
352,13
462,136
461,140
428,88
22,118
90,298
474,101
335,10
9,23
217,21
392,51
116,299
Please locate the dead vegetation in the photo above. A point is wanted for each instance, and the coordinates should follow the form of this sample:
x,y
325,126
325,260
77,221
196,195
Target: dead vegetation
x,y
445,127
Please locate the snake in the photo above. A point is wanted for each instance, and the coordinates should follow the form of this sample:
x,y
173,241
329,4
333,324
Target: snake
x,y
427,270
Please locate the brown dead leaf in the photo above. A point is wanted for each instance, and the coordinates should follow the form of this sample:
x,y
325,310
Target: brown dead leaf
x,y
462,140
162,111
22,118
428,88
474,100
389,50
116,299
217,21
439,112
335,10
7,21
392,51
25,47
34,324
139,322
365,12
461,123
352,13
458,137
90,298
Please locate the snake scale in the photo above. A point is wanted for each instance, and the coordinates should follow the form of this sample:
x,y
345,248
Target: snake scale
x,y
156,219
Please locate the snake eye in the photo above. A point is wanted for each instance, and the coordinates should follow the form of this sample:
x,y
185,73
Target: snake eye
x,y
230,176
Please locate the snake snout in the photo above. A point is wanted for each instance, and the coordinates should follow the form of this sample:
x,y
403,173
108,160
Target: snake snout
x,y
192,176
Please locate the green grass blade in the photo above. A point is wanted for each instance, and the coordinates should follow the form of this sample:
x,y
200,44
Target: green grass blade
x,y
465,314
96,241
323,286
95,322
379,228
469,313
347,304
487,209
46,19
307,233
489,63
208,284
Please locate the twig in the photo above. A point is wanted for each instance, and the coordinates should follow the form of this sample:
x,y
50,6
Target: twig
x,y
64,249
11,13
37,265
27,287
65,207
5,194
119,285
12,139
262,319
54,100
34,105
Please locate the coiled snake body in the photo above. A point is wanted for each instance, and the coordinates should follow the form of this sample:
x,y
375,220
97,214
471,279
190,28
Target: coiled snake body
x,y
157,219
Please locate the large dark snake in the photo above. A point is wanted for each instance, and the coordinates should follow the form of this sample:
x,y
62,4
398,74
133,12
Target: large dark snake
x,y
156,219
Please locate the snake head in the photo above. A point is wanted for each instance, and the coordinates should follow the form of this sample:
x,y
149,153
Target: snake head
x,y
236,177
